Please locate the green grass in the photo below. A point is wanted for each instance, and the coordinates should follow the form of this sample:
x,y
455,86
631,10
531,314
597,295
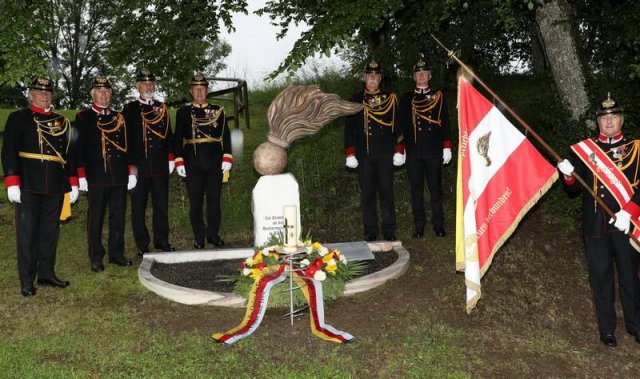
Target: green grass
x,y
533,319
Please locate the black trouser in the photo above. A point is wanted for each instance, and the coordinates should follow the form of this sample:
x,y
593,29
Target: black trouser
x,y
202,182
115,197
158,186
376,178
602,254
37,231
431,169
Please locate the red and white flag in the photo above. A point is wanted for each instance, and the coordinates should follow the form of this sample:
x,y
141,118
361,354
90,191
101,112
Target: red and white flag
x,y
500,177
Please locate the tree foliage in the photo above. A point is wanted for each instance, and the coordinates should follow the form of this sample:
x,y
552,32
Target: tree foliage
x,y
172,39
491,34
74,40
395,32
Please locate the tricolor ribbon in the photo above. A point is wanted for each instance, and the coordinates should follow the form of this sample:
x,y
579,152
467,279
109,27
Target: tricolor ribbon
x,y
259,298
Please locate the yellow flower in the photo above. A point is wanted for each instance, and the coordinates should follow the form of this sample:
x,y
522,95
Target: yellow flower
x,y
331,269
258,258
256,274
316,245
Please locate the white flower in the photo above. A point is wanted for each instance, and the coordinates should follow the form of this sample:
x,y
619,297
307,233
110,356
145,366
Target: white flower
x,y
246,271
249,261
343,259
323,251
268,249
332,262
304,263
309,249
320,275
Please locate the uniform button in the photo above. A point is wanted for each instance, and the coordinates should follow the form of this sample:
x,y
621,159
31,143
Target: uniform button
x,y
601,195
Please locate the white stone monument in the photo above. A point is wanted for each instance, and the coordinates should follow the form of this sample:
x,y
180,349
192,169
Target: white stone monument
x,y
269,198
296,112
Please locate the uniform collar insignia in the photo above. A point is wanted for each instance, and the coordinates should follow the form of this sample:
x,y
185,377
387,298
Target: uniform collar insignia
x,y
39,110
604,139
203,105
422,90
142,100
100,110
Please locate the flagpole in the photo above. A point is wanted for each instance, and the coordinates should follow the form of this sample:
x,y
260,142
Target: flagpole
x,y
549,149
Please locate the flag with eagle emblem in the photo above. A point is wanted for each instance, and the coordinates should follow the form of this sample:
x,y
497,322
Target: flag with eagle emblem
x,y
500,177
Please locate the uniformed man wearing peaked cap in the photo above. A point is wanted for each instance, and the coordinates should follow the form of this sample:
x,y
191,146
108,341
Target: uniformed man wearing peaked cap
x,y
105,172
424,122
203,154
371,146
39,167
151,148
610,162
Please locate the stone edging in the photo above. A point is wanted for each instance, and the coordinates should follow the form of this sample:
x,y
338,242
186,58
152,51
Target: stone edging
x,y
192,296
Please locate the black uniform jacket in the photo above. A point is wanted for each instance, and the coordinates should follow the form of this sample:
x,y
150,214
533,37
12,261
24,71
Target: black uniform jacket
x,y
595,221
151,147
424,123
102,149
27,158
204,144
376,136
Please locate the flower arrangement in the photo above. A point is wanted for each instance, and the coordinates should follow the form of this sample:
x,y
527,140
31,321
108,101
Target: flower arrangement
x,y
315,261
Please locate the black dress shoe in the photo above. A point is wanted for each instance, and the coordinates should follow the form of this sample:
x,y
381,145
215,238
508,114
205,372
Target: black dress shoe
x,y
198,244
166,248
54,282
389,237
28,290
418,233
142,251
370,237
97,267
439,230
609,340
122,262
216,241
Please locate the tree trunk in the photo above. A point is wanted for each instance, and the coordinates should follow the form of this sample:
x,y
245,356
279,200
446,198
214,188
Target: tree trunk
x,y
561,50
539,64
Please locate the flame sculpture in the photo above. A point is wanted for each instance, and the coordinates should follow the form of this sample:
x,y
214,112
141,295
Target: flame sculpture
x,y
296,112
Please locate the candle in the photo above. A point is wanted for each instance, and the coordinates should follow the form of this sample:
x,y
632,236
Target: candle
x,y
291,220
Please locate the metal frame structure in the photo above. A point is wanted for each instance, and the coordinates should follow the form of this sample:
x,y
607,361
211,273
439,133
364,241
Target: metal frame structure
x,y
240,99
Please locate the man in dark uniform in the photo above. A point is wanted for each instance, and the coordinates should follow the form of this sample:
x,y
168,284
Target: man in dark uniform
x,y
103,163
371,146
424,123
203,154
151,148
609,162
37,158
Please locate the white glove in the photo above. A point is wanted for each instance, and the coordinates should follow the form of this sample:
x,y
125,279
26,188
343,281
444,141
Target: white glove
x,y
172,165
182,171
446,155
13,194
84,186
398,159
73,196
565,167
352,161
622,221
226,166
132,182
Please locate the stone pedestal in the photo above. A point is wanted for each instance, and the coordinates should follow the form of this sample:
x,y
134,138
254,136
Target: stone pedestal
x,y
270,195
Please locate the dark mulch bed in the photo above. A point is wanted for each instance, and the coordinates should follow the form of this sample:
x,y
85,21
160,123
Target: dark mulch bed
x,y
204,275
